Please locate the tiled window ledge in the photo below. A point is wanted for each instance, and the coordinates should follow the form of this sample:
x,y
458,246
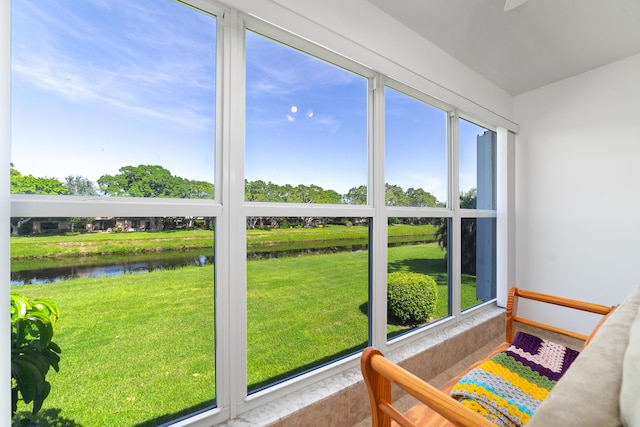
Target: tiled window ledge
x,y
341,400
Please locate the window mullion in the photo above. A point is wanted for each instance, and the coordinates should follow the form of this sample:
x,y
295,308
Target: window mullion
x,y
231,320
378,254
455,230
505,214
5,214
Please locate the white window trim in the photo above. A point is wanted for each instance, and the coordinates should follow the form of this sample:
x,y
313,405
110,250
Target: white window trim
x,y
5,207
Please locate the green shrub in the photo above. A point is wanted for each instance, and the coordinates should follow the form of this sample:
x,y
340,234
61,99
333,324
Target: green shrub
x,y
32,351
411,297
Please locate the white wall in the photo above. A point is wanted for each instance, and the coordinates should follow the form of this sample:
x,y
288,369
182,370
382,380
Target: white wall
x,y
578,185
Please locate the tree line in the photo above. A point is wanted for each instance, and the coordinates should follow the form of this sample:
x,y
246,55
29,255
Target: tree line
x,y
131,181
156,181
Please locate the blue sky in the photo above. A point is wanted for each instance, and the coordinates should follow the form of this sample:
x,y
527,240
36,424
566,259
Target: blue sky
x,y
97,85
306,120
101,84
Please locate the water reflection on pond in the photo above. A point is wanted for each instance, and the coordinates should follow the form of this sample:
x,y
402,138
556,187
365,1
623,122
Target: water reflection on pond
x,y
56,270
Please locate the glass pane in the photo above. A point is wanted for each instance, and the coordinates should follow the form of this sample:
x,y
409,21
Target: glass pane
x,y
307,294
477,166
415,152
417,255
478,255
306,126
136,324
112,98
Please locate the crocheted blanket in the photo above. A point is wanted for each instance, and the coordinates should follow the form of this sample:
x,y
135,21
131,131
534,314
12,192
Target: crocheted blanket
x,y
508,388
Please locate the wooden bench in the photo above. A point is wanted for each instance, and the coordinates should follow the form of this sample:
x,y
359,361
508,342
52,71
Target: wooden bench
x,y
435,407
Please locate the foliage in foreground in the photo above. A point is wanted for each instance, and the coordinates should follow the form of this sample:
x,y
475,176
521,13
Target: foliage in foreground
x,y
33,352
411,297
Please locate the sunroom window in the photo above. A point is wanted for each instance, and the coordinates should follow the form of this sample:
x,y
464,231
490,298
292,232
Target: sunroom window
x,y
114,108
306,142
217,205
478,203
416,172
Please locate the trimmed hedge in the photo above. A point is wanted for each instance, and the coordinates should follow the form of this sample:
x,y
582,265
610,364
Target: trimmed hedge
x,y
411,297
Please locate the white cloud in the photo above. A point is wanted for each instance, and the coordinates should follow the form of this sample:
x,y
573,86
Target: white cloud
x,y
154,70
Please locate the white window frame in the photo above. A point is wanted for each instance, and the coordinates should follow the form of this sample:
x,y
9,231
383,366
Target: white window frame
x,y
230,209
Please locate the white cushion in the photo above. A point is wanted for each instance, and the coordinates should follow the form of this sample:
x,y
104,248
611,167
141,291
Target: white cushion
x,y
630,390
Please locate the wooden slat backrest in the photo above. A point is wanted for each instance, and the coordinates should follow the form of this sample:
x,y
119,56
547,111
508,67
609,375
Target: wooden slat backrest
x,y
512,317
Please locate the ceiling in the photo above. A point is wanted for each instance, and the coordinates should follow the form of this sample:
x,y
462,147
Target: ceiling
x,y
535,44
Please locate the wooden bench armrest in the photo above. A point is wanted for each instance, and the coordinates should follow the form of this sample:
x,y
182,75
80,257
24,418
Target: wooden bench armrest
x,y
378,374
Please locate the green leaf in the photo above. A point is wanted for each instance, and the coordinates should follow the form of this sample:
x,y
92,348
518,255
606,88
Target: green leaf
x,y
54,347
42,391
41,327
21,328
19,305
27,377
48,307
32,351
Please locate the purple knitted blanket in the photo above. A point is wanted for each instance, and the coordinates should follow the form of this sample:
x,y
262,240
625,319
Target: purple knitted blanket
x,y
509,387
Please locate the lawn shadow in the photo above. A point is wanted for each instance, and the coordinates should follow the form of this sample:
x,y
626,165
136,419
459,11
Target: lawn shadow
x,y
364,308
45,418
430,266
177,416
306,368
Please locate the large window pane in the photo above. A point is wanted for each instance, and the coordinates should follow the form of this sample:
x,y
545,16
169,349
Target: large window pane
x,y
307,294
415,152
417,245
306,127
478,258
101,88
477,166
137,315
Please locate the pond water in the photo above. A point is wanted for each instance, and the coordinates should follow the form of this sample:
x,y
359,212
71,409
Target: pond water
x,y
56,270
48,271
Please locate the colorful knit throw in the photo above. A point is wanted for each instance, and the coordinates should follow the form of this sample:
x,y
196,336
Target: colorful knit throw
x,y
508,388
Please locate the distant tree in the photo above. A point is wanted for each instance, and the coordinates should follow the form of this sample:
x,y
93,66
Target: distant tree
x,y
395,195
469,199
260,191
17,224
356,196
29,184
468,238
80,186
191,189
315,194
152,181
420,198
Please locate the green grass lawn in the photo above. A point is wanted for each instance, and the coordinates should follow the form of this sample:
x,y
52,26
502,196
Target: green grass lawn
x,y
135,348
138,349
